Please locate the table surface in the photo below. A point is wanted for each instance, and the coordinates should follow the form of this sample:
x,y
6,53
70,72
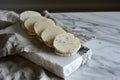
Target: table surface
x,y
105,26
105,62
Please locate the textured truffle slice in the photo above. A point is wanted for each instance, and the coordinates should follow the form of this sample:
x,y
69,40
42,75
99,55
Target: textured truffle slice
x,y
66,44
29,23
41,25
27,14
50,33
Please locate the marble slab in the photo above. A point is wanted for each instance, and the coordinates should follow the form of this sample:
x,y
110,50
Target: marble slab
x,y
61,66
34,50
105,26
105,61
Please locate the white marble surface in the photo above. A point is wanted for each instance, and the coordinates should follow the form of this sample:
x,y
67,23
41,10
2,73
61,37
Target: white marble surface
x,y
105,62
105,26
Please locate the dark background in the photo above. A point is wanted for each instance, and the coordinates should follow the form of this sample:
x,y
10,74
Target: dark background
x,y
61,5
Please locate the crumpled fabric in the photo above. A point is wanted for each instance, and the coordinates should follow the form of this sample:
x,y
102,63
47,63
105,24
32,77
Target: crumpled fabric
x,y
18,68
13,66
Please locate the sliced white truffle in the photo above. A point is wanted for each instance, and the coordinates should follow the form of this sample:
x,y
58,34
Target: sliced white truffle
x,y
41,25
27,14
66,44
49,34
29,23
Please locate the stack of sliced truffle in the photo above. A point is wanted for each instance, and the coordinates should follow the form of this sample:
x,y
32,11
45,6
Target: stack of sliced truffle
x,y
65,44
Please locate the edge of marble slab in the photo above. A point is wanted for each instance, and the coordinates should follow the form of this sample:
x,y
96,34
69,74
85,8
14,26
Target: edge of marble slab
x,y
54,67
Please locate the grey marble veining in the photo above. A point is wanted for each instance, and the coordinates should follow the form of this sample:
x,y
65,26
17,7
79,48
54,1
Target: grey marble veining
x,y
88,23
105,26
105,61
